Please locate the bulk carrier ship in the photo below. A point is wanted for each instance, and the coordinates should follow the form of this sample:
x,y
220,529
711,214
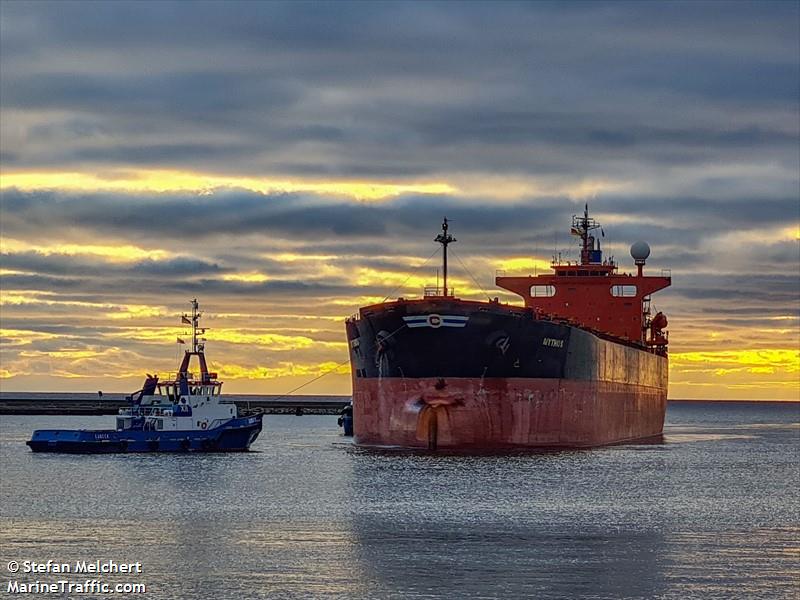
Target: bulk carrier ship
x,y
583,363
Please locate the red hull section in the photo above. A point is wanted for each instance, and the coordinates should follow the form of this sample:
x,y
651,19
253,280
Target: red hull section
x,y
504,413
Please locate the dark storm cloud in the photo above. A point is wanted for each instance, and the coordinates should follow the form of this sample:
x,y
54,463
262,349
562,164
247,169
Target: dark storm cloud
x,y
155,153
151,288
401,90
780,290
302,217
492,126
60,264
178,93
41,282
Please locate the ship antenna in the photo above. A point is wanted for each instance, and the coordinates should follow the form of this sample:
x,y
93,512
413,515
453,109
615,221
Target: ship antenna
x,y
444,239
585,235
581,226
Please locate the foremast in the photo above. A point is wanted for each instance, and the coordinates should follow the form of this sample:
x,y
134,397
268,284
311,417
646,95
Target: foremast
x,y
445,239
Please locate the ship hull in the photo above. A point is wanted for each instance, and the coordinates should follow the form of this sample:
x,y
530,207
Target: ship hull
x,y
235,436
450,374
471,413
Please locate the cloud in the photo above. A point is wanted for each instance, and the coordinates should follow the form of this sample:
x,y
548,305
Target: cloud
x,y
401,90
287,165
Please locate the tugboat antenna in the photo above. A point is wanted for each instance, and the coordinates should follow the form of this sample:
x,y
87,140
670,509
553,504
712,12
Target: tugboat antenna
x,y
444,239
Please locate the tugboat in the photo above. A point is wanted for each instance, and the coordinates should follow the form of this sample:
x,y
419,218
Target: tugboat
x,y
182,413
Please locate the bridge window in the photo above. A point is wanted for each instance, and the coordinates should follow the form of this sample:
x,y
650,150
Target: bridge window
x,y
623,291
543,291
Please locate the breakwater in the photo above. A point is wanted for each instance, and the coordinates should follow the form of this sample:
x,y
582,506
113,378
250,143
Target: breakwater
x,y
54,403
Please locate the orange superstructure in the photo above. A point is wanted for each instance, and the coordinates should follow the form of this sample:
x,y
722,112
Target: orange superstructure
x,y
593,295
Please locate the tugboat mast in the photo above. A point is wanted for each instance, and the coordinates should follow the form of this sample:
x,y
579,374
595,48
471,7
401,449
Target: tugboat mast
x,y
198,345
195,317
445,239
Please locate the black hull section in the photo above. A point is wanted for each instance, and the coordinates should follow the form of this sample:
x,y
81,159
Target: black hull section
x,y
445,338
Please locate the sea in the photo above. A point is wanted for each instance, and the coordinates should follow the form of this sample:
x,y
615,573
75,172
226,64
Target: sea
x,y
711,512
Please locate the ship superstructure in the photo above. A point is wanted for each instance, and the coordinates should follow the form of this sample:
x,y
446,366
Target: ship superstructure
x,y
592,294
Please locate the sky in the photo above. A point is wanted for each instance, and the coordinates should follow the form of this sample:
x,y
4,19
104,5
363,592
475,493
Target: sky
x,y
286,163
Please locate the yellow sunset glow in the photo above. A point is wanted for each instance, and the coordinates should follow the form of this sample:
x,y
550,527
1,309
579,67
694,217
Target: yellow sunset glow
x,y
110,311
292,257
69,354
251,337
736,374
121,253
173,181
166,180
525,264
22,337
284,369
767,360
246,277
366,276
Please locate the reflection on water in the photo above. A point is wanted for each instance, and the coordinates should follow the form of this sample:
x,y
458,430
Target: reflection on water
x,y
310,516
676,438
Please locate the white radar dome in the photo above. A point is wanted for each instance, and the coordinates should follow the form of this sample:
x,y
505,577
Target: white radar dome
x,y
640,250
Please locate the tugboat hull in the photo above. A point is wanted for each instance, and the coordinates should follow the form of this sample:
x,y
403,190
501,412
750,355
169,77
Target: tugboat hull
x,y
234,436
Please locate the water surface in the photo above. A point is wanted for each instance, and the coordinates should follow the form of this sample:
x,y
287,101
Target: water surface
x,y
710,513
